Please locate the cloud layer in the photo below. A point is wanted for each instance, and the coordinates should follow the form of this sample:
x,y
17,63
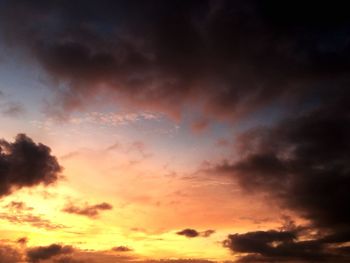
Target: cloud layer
x,y
228,58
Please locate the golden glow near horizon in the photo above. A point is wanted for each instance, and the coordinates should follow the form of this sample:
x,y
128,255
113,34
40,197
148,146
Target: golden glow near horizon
x,y
151,198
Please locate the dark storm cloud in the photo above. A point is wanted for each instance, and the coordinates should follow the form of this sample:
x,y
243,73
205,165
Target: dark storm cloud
x,y
302,163
190,233
228,57
91,211
24,163
277,245
36,254
284,246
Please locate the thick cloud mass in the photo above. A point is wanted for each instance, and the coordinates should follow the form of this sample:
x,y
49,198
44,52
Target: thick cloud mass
x,y
284,246
40,253
24,163
230,57
9,254
303,163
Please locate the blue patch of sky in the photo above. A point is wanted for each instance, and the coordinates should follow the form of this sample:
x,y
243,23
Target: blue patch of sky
x,y
22,81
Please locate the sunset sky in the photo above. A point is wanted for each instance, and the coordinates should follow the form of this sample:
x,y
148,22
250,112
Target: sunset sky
x,y
174,131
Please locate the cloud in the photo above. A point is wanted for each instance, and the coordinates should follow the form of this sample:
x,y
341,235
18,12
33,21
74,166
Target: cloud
x,y
22,240
91,211
302,163
9,254
188,233
12,109
191,233
284,246
59,253
207,233
227,58
31,219
36,254
19,206
91,256
9,107
20,213
24,163
112,118
137,147
122,249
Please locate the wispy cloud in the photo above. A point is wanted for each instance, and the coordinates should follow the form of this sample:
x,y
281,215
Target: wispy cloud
x,y
107,119
91,211
122,249
191,233
9,107
31,219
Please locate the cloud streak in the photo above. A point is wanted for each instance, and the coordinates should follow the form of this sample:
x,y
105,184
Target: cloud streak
x,y
191,233
121,249
91,211
31,219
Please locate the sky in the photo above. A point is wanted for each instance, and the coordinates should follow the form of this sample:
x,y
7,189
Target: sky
x,y
152,131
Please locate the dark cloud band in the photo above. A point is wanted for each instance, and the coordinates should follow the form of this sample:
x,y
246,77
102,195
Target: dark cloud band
x,y
230,58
